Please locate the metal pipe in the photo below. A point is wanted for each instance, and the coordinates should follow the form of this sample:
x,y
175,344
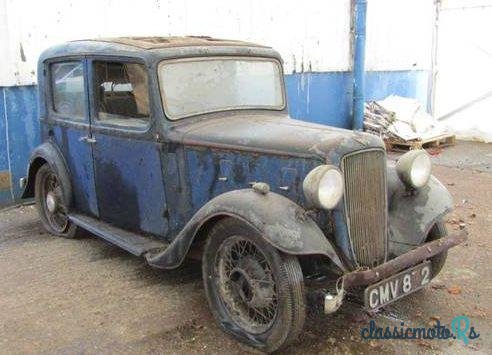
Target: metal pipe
x,y
431,91
359,48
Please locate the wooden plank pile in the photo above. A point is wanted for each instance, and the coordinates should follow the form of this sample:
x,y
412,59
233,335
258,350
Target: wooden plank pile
x,y
403,124
377,120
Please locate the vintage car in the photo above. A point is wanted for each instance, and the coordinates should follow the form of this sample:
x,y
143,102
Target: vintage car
x,y
183,146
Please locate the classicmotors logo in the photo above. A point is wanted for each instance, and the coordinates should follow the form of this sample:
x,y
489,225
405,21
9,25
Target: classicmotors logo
x,y
460,329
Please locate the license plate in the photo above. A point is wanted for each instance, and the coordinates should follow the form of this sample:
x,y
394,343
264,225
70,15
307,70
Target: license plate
x,y
397,286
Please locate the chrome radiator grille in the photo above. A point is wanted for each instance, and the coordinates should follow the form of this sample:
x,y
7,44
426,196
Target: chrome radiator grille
x,y
366,205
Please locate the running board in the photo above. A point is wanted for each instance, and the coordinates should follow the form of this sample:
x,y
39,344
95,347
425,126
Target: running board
x,y
136,244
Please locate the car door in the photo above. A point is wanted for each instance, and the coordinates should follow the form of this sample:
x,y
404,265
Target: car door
x,y
69,127
128,174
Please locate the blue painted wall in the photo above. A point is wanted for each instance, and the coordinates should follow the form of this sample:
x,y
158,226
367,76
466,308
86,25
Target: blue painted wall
x,y
320,97
380,84
317,97
5,194
18,112
327,97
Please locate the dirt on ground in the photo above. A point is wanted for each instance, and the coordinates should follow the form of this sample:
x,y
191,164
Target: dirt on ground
x,y
86,296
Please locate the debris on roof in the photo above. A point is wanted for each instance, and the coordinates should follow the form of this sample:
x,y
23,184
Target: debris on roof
x,y
173,41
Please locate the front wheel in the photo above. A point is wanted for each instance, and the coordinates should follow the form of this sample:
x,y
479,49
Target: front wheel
x,y
255,292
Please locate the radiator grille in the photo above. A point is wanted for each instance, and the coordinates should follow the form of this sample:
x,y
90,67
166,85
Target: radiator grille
x,y
366,205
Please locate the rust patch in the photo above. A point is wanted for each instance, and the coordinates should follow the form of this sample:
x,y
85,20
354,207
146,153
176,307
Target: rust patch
x,y
413,257
4,179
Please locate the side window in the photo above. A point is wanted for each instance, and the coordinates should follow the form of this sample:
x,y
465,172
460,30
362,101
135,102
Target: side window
x,y
67,84
122,93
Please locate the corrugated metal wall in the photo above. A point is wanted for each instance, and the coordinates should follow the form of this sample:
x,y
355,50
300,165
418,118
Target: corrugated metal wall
x,y
313,38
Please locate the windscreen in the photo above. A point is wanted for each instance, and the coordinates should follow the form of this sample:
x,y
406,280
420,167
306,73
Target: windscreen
x,y
191,87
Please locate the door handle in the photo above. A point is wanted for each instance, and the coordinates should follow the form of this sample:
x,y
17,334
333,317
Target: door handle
x,y
87,139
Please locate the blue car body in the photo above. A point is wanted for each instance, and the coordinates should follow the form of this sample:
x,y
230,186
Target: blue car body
x,y
170,179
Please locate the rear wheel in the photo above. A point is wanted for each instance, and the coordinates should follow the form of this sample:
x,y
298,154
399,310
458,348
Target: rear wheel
x,y
437,262
255,292
51,205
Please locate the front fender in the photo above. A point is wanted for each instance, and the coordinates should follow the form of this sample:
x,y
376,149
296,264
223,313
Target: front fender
x,y
282,223
411,216
48,153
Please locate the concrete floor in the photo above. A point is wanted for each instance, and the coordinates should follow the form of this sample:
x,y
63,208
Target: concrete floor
x,y
85,296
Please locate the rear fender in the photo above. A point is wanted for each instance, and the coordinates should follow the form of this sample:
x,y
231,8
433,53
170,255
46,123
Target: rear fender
x,y
48,153
283,224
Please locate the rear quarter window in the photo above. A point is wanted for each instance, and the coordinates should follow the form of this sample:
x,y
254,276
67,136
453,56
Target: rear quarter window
x,y
67,85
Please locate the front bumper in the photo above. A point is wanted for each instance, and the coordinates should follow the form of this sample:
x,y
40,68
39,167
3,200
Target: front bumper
x,y
413,257
380,272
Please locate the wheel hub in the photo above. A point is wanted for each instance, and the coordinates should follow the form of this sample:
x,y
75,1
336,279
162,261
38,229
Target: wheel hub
x,y
246,284
53,207
51,202
242,285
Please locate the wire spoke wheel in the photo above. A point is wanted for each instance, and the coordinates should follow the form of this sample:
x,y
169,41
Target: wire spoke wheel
x,y
246,284
51,202
255,291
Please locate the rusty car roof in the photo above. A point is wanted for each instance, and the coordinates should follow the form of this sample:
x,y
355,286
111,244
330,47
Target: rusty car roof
x,y
172,41
154,49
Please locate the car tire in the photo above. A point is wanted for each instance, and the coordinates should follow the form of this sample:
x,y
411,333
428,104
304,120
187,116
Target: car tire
x,y
50,203
437,231
255,292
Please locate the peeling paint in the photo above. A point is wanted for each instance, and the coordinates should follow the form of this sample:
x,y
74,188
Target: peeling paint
x,y
22,54
4,180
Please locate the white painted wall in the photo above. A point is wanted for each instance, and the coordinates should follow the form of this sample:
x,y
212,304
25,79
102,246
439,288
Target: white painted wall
x,y
399,34
464,72
311,36
5,67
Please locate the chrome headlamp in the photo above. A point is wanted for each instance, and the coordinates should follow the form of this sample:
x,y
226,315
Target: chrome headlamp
x,y
323,186
414,168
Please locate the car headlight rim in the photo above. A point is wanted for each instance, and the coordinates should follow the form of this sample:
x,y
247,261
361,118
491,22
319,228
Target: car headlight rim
x,y
323,187
414,168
